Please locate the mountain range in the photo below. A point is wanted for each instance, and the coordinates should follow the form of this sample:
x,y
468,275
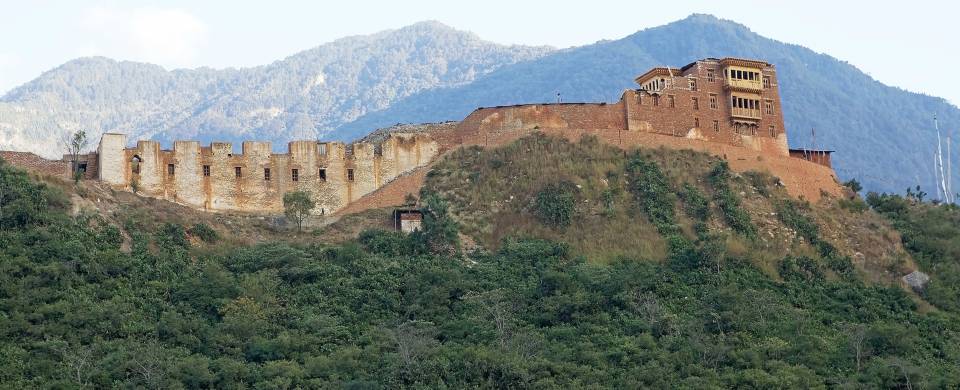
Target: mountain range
x,y
883,136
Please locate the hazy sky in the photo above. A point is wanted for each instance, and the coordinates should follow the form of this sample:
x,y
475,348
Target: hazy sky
x,y
905,44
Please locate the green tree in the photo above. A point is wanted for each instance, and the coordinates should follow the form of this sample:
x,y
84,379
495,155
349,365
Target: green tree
x,y
75,144
439,233
297,206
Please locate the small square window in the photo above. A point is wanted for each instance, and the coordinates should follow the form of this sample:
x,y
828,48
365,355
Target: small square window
x,y
350,174
323,174
266,174
206,170
170,169
295,175
237,171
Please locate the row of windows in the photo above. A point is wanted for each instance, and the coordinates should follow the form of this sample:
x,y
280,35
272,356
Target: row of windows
x,y
735,102
238,172
739,128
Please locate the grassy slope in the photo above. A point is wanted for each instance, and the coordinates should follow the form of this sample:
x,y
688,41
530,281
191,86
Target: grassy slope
x,y
492,193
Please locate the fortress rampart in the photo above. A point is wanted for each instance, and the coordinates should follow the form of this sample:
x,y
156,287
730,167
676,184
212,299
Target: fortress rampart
x,y
214,178
729,107
729,101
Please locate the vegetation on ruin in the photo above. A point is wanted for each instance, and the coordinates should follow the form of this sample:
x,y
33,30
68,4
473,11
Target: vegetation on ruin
x,y
391,310
297,206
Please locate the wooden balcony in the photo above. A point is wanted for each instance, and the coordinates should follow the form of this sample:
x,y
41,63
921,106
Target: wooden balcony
x,y
745,113
752,85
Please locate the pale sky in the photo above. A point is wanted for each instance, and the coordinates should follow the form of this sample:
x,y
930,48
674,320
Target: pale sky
x,y
905,44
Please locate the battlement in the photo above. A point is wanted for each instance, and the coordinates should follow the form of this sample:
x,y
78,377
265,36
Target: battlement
x,y
213,177
711,104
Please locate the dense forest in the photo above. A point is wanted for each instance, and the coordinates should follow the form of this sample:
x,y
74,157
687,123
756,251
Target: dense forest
x,y
181,309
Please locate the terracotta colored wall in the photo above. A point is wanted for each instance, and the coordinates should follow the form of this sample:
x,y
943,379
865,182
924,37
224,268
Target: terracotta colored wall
x,y
32,163
821,158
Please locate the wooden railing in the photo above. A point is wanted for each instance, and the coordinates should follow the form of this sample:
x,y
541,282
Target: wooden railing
x,y
748,84
746,113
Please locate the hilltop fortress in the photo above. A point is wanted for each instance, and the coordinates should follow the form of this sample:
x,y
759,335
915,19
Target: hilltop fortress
x,y
729,107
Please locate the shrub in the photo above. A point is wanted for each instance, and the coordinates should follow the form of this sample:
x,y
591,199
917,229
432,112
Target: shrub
x,y
172,234
555,204
736,217
853,205
390,243
652,191
853,185
204,232
439,233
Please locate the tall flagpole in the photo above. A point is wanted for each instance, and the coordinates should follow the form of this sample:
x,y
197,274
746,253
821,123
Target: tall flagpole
x,y
943,179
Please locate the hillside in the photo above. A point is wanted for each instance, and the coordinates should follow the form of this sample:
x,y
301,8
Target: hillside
x,y
875,129
708,280
303,96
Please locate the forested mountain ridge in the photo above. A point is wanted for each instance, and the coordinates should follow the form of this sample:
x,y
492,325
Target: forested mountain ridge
x,y
303,96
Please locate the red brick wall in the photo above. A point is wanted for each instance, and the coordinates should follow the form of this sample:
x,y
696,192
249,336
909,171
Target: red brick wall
x,y
35,164
671,111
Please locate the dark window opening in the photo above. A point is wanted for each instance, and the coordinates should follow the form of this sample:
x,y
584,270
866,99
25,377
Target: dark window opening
x,y
696,103
135,164
350,174
295,175
713,101
671,101
237,171
82,167
773,131
206,170
716,126
656,100
710,76
171,169
266,174
323,174
696,122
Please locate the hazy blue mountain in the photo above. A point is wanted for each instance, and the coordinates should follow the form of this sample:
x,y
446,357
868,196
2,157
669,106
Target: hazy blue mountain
x,y
428,72
883,135
301,97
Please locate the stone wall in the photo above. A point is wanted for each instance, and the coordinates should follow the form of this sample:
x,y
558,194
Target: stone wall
x,y
214,178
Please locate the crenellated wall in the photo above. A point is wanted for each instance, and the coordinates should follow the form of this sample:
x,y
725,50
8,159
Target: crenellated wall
x,y
214,178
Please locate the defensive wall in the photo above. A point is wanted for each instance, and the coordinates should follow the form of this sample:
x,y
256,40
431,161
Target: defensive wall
x,y
214,178
728,107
